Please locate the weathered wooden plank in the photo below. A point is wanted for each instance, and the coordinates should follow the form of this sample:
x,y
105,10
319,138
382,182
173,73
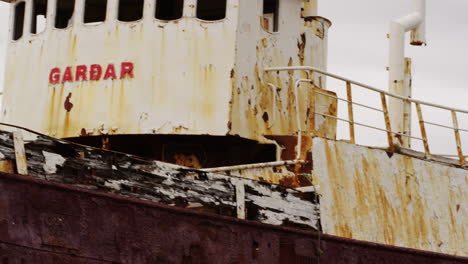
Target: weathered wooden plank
x,y
165,183
240,199
20,153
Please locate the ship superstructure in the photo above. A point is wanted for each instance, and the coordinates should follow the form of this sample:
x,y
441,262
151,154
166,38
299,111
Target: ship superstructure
x,y
233,94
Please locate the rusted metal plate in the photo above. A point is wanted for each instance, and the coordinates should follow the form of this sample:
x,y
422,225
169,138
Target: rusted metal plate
x,y
369,194
42,222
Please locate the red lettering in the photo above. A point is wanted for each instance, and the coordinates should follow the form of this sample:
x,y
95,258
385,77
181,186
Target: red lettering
x,y
95,72
54,77
67,76
81,73
127,69
110,72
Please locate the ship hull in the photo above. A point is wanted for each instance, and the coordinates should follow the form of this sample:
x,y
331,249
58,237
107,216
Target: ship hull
x,y
45,222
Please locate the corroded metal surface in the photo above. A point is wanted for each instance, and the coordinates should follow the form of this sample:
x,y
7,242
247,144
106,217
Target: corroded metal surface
x,y
257,109
52,223
370,194
189,76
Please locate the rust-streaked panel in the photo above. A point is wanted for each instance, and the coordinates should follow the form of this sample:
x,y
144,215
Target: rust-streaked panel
x,y
369,194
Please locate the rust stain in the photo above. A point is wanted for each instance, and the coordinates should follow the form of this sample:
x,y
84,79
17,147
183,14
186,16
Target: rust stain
x,y
68,104
396,200
7,166
301,44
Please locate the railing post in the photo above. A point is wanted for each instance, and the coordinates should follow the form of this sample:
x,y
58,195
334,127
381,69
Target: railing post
x,y
423,130
387,122
457,139
350,113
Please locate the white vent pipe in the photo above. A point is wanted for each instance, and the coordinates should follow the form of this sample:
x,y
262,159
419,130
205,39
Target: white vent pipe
x,y
400,114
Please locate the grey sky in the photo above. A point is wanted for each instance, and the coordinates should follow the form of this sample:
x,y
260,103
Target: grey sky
x,y
358,48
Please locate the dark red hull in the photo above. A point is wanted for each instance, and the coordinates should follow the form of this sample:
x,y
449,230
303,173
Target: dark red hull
x,y
43,222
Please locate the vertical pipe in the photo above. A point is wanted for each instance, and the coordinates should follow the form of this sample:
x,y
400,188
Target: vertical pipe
x,y
396,74
400,68
406,130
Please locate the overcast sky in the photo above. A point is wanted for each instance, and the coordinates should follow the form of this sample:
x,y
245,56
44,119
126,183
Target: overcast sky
x,y
358,49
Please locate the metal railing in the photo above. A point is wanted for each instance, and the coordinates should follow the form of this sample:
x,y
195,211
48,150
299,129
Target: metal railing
x,y
391,135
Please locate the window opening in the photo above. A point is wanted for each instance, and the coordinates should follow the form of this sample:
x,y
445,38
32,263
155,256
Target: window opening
x,y
169,9
39,16
64,13
211,9
270,15
19,20
95,12
130,10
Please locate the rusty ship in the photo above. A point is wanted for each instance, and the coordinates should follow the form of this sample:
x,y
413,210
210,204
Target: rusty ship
x,y
205,131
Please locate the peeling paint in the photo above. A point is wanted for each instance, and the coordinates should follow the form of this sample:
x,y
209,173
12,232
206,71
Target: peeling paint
x,y
52,160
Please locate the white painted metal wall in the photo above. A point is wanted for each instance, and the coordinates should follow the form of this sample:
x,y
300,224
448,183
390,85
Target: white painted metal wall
x,y
190,76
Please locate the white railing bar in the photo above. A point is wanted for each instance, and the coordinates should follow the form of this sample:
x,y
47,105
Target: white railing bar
x,y
254,166
309,68
439,125
448,155
341,99
364,125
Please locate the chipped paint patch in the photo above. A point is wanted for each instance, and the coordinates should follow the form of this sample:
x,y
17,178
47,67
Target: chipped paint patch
x,y
115,184
52,160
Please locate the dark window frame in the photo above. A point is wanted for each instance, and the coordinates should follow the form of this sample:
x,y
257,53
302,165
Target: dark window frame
x,y
271,7
123,8
211,10
61,16
18,22
176,13
36,11
98,19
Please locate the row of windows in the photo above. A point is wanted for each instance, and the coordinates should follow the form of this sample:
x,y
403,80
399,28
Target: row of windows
x,y
128,11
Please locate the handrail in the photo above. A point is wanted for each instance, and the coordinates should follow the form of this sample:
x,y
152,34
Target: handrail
x,y
254,166
391,135
310,68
